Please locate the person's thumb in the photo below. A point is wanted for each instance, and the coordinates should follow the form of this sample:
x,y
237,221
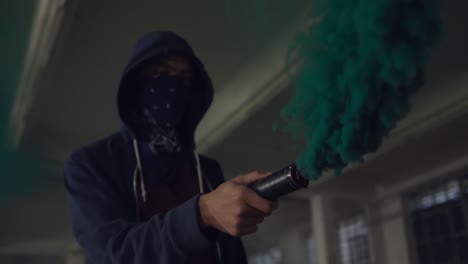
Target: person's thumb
x,y
250,178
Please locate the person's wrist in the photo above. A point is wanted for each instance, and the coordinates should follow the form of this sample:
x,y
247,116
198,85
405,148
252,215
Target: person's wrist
x,y
204,213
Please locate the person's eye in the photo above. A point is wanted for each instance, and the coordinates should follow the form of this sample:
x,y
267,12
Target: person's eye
x,y
159,69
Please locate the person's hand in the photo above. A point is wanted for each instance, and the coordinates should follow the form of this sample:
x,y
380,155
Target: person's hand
x,y
234,208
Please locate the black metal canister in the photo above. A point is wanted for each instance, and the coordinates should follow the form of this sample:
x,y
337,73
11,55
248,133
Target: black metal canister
x,y
280,183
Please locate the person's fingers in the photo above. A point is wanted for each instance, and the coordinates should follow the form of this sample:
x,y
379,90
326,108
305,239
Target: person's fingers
x,y
275,205
256,201
249,221
234,208
251,177
245,210
248,230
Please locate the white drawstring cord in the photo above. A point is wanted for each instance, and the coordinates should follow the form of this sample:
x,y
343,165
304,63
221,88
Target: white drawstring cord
x,y
135,193
135,173
199,172
142,183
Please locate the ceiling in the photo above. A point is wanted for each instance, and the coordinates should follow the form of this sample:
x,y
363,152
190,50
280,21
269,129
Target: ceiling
x,y
74,102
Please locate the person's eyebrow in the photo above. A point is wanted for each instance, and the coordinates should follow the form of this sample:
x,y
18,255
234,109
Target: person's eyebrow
x,y
166,64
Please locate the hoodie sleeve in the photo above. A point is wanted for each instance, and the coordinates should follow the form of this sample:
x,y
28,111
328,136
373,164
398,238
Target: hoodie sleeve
x,y
103,226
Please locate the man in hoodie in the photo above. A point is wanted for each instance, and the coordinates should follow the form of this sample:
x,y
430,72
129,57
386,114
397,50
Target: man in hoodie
x,y
143,195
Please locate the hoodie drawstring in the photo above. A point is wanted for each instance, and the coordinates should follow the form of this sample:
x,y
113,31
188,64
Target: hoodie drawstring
x,y
199,172
139,171
135,193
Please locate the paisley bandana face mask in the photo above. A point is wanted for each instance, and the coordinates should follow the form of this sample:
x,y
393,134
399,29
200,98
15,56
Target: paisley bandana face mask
x,y
164,102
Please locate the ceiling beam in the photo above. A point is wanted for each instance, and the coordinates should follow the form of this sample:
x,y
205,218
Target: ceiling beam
x,y
48,23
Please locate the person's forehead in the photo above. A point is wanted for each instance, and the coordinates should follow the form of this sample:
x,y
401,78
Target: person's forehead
x,y
175,60
178,61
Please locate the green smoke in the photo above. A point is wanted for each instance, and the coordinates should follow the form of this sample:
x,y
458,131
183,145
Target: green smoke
x,y
16,168
362,63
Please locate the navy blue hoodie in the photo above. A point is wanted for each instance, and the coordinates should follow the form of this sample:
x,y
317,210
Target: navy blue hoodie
x,y
101,181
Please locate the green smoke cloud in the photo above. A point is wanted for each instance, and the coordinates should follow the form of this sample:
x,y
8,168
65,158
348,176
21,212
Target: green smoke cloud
x,y
362,63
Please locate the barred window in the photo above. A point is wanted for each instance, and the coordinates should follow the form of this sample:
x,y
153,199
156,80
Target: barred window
x,y
271,256
353,238
438,219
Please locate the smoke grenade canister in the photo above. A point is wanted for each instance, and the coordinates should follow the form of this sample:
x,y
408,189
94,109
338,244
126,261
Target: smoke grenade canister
x,y
280,183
